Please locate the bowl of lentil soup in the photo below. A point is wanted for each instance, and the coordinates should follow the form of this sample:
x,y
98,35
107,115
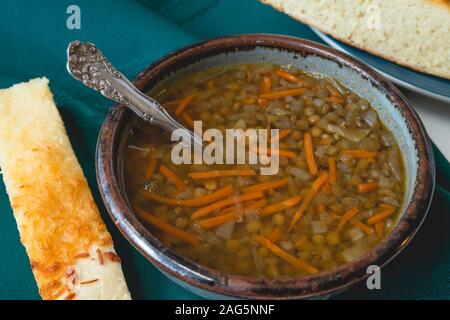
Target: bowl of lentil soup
x,y
355,178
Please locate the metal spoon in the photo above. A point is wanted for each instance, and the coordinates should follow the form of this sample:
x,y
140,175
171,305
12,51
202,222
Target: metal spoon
x,y
87,64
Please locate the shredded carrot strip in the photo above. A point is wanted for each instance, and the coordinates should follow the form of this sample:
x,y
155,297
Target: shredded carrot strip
x,y
309,152
280,206
300,264
228,210
266,83
346,218
282,153
321,208
334,100
266,185
379,229
195,202
366,229
380,216
283,93
172,177
367,187
334,92
315,187
332,170
287,75
285,153
301,242
223,203
335,216
152,165
249,100
222,173
255,205
276,234
234,215
166,227
183,104
217,221
359,153
325,141
188,119
281,135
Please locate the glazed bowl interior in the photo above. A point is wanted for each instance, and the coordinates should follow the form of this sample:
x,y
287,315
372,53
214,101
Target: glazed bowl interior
x,y
317,65
392,108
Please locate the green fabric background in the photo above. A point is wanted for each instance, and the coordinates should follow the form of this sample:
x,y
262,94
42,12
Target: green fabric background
x,y
33,39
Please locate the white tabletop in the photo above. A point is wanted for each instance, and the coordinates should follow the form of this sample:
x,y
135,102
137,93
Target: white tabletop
x,y
435,115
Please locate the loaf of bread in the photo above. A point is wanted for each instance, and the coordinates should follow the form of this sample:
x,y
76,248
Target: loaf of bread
x,y
71,253
412,33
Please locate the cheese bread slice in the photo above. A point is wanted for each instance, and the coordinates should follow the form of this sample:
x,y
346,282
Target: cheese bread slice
x,y
413,33
71,253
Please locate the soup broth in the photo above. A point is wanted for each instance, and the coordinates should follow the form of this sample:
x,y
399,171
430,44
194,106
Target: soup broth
x,y
337,193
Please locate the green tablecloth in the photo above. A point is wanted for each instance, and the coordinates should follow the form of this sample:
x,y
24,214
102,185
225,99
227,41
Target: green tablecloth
x,y
33,39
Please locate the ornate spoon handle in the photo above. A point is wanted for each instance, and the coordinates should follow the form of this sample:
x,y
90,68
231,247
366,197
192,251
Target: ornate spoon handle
x,y
87,64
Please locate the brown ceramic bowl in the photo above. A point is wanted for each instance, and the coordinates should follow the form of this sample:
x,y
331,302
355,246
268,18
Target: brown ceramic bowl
x,y
393,108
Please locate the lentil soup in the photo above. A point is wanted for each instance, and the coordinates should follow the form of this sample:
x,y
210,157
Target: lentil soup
x,y
337,193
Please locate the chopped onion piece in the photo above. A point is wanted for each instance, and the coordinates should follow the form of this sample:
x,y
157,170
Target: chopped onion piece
x,y
300,173
286,245
283,124
367,214
252,215
321,151
344,166
355,135
355,234
390,201
352,253
186,194
319,227
325,217
387,139
394,163
296,106
280,111
240,124
211,238
369,144
225,231
349,201
370,118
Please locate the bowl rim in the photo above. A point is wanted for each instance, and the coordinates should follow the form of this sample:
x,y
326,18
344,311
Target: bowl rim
x,y
215,281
